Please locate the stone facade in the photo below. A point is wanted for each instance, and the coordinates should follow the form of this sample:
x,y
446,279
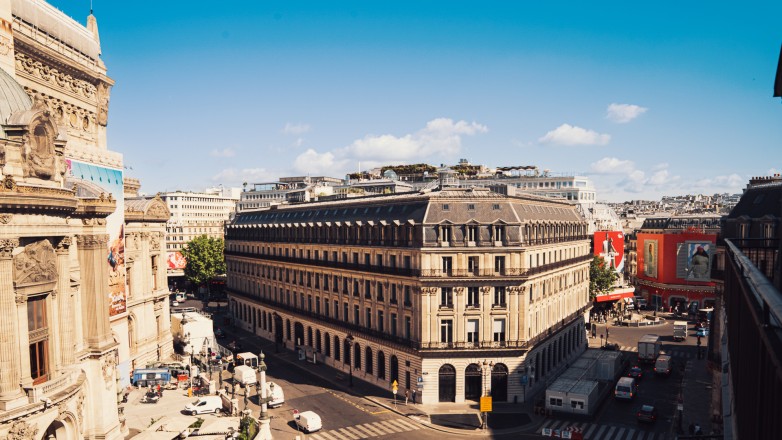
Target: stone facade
x,y
471,291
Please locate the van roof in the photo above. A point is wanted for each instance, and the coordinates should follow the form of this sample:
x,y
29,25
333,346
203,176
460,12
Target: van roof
x,y
626,380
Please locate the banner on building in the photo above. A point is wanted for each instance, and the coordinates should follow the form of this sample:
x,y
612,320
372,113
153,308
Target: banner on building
x,y
650,258
176,261
693,260
610,246
109,181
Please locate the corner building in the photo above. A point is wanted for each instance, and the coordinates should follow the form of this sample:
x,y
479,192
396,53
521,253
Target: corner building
x,y
457,293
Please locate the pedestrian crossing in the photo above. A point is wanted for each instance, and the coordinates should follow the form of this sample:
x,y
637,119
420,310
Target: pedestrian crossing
x,y
607,432
366,430
673,353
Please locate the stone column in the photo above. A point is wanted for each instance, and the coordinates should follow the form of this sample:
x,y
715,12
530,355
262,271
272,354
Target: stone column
x,y
9,325
95,285
66,326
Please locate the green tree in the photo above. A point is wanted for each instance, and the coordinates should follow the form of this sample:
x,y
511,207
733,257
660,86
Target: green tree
x,y
205,259
601,278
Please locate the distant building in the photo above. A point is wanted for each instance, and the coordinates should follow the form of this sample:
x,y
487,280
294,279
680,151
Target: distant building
x,y
194,214
286,190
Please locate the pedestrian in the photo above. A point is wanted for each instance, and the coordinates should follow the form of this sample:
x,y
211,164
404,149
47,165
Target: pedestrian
x,y
407,395
413,396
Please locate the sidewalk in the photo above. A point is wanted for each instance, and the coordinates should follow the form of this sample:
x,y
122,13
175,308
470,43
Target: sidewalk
x,y
697,388
383,397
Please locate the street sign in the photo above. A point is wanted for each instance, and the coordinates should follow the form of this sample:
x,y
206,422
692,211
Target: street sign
x,y
524,379
395,389
296,414
486,404
394,384
420,379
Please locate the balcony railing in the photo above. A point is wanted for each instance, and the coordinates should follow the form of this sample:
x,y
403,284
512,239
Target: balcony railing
x,y
503,272
329,264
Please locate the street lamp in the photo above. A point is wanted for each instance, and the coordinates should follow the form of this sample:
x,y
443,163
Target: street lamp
x,y
486,368
350,358
264,431
233,384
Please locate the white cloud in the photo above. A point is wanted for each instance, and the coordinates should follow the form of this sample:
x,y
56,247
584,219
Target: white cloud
x,y
660,166
567,134
623,113
729,182
295,128
312,162
225,152
441,137
235,177
612,165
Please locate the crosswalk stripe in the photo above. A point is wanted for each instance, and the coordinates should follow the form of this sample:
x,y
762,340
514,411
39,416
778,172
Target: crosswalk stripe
x,y
330,435
589,431
394,426
371,428
346,433
630,433
619,434
557,424
610,432
365,432
354,431
380,426
410,425
600,432
315,437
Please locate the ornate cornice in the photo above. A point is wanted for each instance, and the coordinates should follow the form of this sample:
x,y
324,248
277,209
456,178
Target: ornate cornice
x,y
36,264
63,244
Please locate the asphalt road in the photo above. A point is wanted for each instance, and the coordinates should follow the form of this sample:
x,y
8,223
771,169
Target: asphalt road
x,y
344,416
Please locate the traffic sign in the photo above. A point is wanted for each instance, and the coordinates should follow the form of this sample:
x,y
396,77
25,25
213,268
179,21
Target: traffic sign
x,y
395,389
420,379
394,384
486,404
296,414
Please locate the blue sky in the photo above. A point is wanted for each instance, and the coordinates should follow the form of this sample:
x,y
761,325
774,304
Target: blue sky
x,y
651,99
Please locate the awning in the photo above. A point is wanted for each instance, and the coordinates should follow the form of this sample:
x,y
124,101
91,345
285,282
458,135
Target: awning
x,y
628,292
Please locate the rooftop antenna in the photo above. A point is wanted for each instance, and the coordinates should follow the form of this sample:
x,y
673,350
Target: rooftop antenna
x,y
90,7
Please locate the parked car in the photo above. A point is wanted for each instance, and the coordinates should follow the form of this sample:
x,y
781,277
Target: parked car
x,y
636,373
647,413
309,422
205,404
703,332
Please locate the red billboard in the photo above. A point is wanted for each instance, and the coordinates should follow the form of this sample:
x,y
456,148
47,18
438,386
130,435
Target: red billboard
x,y
610,246
176,261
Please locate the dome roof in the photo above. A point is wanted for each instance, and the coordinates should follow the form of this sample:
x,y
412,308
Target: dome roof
x,y
12,98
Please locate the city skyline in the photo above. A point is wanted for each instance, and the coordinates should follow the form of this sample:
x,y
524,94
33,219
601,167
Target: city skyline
x,y
646,103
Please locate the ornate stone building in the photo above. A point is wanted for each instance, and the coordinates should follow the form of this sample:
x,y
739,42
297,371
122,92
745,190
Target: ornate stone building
x,y
64,338
456,292
149,321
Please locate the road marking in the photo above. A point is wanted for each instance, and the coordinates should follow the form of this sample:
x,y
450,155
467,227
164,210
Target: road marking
x,y
353,431
600,432
327,435
619,434
588,432
630,433
374,429
388,425
346,434
405,426
365,432
412,425
610,432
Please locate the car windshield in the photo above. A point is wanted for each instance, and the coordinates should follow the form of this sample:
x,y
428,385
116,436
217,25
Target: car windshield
x,y
647,408
195,402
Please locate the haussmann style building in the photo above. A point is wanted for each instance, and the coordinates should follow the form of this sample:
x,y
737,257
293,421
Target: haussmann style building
x,y
456,293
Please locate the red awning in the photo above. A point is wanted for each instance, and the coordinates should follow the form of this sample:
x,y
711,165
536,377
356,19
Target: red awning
x,y
615,296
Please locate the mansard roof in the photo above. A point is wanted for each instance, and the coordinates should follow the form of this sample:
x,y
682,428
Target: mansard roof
x,y
759,201
451,205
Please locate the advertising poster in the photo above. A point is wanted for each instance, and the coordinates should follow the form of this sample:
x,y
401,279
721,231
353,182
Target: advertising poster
x,y
109,181
650,258
693,261
176,261
610,246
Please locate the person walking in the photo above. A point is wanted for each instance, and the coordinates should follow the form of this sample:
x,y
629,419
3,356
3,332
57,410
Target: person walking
x,y
414,396
407,395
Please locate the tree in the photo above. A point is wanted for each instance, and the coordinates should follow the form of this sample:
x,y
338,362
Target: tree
x,y
601,278
205,259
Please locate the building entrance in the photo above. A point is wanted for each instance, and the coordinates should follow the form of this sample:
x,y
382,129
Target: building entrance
x,y
472,382
447,383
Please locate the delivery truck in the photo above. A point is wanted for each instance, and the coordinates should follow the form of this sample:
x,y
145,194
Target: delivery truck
x,y
649,347
679,330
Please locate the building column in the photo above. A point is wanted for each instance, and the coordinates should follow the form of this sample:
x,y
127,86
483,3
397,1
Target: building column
x,y
10,370
65,303
95,282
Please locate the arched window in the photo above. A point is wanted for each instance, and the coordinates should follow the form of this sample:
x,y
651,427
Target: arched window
x,y
336,348
357,356
368,361
381,365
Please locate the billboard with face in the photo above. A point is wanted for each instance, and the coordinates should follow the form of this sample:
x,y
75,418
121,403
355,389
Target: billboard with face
x,y
110,181
693,261
176,261
610,246
650,258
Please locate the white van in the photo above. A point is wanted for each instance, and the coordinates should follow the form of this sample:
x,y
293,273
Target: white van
x,y
244,375
205,404
275,391
626,388
309,422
